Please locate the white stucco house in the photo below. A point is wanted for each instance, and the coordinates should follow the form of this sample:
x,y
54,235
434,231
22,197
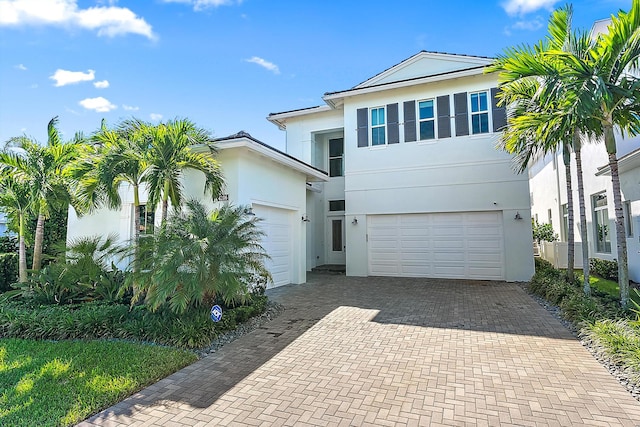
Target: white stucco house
x,y
396,176
416,187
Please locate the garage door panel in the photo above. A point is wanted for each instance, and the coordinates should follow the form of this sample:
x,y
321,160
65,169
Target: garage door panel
x,y
277,242
448,245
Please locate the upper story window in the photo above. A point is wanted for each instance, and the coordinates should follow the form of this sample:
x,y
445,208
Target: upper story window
x,y
336,154
426,116
479,113
336,205
378,126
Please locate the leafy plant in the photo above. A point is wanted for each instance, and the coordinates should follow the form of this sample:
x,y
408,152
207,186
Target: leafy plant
x,y
543,232
604,268
8,270
200,256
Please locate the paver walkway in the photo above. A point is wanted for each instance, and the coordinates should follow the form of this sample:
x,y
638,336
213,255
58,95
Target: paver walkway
x,y
380,351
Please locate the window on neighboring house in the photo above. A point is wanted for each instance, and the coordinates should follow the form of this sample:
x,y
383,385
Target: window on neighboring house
x,y
147,217
565,222
336,205
426,115
628,219
378,127
336,153
550,217
536,217
601,222
479,113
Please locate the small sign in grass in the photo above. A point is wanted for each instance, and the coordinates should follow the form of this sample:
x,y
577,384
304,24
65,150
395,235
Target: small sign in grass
x,y
44,383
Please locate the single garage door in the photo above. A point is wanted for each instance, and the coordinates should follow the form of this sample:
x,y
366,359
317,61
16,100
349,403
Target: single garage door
x,y
466,245
276,224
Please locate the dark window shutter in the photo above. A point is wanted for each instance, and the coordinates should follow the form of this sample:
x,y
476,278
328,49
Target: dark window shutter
x,y
460,108
499,113
363,127
444,119
393,133
409,121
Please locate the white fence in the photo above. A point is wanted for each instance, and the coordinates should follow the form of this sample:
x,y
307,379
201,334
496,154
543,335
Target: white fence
x,y
556,253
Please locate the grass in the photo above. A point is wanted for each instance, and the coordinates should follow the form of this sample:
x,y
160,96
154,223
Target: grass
x,y
607,286
47,383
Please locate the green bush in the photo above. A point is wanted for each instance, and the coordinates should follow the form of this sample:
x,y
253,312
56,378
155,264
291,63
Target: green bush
x,y
93,320
8,270
543,232
604,268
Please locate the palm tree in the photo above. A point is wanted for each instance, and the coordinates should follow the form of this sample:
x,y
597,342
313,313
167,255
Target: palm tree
x,y
14,201
43,170
607,95
201,256
171,150
541,120
118,156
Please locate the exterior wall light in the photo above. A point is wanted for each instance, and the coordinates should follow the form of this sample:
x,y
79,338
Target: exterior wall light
x,y
305,218
355,221
249,211
518,216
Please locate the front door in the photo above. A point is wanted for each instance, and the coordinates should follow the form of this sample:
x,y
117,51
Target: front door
x,y
336,240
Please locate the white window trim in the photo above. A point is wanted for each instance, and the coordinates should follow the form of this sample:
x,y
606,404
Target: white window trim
x,y
434,119
489,116
594,213
341,157
386,142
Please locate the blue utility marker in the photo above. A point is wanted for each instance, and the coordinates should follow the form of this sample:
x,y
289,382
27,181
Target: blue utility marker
x,y
216,313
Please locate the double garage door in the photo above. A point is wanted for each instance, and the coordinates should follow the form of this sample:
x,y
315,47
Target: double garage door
x,y
277,241
466,245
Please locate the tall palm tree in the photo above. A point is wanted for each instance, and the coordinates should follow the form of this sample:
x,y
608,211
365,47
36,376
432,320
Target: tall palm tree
x,y
42,168
15,202
171,151
117,156
607,94
541,120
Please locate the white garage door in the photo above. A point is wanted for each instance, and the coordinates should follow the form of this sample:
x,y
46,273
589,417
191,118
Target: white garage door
x,y
467,245
276,224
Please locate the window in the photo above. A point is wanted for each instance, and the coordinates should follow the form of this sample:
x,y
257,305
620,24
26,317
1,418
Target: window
x,y
147,217
378,128
550,217
479,113
565,222
601,222
628,219
426,115
336,205
336,153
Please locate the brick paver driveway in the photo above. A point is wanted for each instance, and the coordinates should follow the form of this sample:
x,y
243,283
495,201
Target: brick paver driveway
x,y
379,351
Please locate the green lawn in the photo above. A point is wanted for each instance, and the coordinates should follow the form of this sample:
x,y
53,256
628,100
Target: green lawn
x,y
608,286
46,383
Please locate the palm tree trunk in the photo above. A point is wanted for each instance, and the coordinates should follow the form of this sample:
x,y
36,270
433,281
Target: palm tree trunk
x,y
136,228
22,252
583,220
623,268
38,242
165,201
566,155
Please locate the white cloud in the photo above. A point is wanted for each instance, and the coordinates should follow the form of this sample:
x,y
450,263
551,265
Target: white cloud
x,y
265,64
103,84
155,116
99,104
21,67
522,7
64,77
205,4
129,107
531,25
106,20
34,86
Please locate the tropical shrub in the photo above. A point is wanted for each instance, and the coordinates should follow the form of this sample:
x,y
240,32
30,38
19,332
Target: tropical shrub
x,y
8,270
199,257
543,232
604,268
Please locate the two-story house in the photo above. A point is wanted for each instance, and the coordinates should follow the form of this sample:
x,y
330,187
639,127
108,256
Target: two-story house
x,y
416,186
397,176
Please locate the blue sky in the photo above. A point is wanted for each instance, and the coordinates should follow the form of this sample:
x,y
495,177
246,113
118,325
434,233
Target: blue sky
x,y
227,64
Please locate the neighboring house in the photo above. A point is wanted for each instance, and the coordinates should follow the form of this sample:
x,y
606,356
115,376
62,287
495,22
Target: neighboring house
x,y
549,202
416,186
397,176
3,224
